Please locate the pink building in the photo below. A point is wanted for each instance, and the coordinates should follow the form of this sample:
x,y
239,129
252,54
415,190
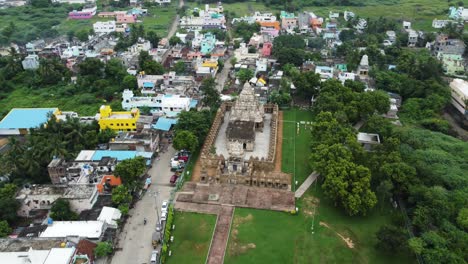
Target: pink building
x,y
266,50
270,31
124,18
86,13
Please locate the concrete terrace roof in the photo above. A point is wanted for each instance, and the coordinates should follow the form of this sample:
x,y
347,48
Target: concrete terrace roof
x,y
97,155
165,124
26,118
87,229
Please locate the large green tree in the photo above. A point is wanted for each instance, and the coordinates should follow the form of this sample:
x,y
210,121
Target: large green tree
x,y
130,170
61,211
185,140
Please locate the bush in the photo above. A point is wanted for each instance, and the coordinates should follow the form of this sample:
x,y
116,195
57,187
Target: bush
x,y
103,249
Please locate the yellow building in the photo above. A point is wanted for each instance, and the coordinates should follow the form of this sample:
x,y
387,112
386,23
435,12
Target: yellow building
x,y
118,121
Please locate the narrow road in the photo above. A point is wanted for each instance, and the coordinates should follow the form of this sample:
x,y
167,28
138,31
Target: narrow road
x,y
221,236
222,76
135,238
175,23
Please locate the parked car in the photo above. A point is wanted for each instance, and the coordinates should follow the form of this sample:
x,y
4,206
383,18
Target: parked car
x,y
158,226
164,216
174,179
154,257
164,206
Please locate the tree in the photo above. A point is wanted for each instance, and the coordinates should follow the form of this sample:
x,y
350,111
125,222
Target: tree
x,y
307,83
103,249
8,203
153,37
130,82
82,35
185,140
121,195
280,98
5,229
174,40
130,170
197,122
61,211
153,67
179,67
211,95
391,239
244,75
462,218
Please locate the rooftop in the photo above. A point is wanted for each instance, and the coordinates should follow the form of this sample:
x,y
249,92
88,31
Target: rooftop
x,y
26,117
242,130
97,155
165,124
87,229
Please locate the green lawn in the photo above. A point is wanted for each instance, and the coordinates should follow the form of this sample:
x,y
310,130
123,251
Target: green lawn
x,y
192,237
298,141
259,236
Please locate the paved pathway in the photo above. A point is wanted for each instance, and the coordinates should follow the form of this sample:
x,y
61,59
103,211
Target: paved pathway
x,y
135,239
306,184
221,77
221,236
175,22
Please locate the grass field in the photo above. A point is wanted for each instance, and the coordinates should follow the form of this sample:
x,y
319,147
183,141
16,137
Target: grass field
x,y
192,237
296,141
259,236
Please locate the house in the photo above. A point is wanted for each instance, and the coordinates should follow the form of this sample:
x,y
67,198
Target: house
x,y
37,198
271,28
361,25
34,256
125,18
118,121
208,43
368,140
343,76
266,49
85,13
437,23
104,27
459,13
391,36
83,229
452,64
316,23
107,14
459,91
325,72
160,104
406,25
163,2
303,21
412,38
110,216
288,21
74,1
20,120
31,62
443,44
243,53
333,15
122,28
140,45
119,155
84,252
348,15
139,141
35,46
264,17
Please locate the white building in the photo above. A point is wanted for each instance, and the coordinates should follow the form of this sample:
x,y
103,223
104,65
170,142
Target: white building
x,y
162,2
348,15
83,229
167,104
367,140
343,76
110,216
141,45
74,1
391,36
31,62
33,256
459,90
333,15
438,23
264,17
104,27
412,38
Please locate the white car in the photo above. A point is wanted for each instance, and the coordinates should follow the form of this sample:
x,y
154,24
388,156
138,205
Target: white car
x,y
164,206
164,216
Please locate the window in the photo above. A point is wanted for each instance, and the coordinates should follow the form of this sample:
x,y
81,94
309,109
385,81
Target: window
x,y
133,124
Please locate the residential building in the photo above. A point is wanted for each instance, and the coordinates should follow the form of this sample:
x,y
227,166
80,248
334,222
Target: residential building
x,y
145,141
288,21
140,45
85,13
303,21
119,155
361,25
123,18
443,44
84,252
412,38
110,216
348,15
452,64
38,198
437,23
208,43
83,229
243,53
74,1
316,24
368,140
20,120
163,2
325,72
333,15
150,84
391,36
271,28
343,76
35,46
459,13
406,25
118,121
122,28
459,91
107,183
34,256
263,17
31,62
104,27
266,49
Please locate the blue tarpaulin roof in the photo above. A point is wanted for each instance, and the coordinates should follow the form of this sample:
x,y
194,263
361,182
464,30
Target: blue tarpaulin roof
x,y
26,118
120,154
164,124
148,84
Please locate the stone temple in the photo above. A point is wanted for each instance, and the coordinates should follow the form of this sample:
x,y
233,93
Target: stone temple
x,y
241,145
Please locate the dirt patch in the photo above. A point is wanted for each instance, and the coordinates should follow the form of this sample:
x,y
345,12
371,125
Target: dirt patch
x,y
279,142
309,205
196,172
235,247
347,240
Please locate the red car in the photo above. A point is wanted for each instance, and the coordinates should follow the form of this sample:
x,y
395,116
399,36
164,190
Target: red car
x,y
174,179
